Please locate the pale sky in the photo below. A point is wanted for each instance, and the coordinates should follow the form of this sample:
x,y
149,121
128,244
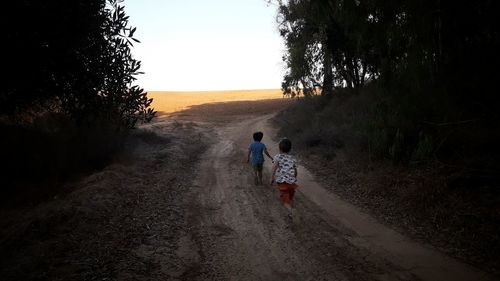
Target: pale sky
x,y
195,45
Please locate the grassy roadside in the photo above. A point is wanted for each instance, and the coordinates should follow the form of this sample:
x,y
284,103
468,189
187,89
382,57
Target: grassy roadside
x,y
447,204
122,222
44,154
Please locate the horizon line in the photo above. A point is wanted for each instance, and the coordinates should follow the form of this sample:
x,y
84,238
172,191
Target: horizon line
x,y
227,90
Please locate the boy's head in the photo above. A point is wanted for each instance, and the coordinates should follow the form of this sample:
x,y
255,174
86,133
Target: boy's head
x,y
285,145
257,136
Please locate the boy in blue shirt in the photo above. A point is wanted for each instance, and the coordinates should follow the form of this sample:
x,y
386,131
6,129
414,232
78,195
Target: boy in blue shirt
x,y
257,150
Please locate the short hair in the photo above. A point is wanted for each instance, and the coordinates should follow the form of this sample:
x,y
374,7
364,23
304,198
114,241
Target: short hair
x,y
257,136
285,145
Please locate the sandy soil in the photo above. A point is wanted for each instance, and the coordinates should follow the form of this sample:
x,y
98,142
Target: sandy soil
x,y
239,231
181,205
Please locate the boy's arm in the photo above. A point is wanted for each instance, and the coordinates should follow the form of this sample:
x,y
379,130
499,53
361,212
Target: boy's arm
x,y
267,153
273,172
248,155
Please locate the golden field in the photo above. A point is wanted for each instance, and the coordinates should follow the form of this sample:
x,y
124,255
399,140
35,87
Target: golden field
x,y
168,102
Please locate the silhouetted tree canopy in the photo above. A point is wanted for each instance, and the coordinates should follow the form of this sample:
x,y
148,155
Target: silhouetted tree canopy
x,y
70,57
345,43
433,65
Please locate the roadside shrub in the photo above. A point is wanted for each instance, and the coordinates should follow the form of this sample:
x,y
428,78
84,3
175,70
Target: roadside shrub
x,y
68,99
365,120
424,148
41,156
386,127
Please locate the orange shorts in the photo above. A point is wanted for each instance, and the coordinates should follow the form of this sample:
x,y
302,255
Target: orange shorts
x,y
287,191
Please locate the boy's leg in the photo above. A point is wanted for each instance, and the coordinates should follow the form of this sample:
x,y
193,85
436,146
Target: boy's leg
x,y
291,193
255,173
286,197
288,207
258,173
260,176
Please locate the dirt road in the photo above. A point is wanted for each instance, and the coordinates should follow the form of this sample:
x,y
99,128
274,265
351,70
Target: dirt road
x,y
239,231
181,205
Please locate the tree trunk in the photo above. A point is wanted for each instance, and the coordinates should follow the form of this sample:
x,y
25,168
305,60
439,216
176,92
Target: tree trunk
x,y
327,88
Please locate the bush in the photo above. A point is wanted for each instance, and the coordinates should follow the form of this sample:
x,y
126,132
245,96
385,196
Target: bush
x,y
68,99
71,57
50,151
373,123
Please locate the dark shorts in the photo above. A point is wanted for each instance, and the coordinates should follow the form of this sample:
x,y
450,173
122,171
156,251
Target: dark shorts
x,y
257,166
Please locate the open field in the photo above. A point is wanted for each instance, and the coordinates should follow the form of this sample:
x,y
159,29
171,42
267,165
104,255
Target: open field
x,y
167,102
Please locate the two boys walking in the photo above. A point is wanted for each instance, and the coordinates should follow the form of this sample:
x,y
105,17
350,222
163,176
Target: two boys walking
x,y
284,171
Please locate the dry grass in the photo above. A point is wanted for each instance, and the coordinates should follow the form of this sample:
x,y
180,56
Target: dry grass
x,y
448,206
168,102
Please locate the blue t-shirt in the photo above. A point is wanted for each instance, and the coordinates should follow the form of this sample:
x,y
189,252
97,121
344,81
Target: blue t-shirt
x,y
257,149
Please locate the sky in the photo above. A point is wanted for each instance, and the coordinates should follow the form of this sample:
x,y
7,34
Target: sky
x,y
205,45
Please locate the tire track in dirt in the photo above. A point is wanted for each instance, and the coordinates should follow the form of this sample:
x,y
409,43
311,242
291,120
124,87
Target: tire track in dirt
x,y
239,230
152,216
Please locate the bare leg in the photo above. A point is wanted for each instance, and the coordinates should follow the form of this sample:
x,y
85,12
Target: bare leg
x,y
289,209
259,174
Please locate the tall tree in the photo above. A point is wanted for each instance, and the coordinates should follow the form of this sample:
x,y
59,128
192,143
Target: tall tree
x,y
326,46
71,57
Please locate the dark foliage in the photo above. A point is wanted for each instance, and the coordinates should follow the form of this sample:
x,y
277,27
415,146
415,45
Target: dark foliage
x,y
453,207
71,57
67,98
434,64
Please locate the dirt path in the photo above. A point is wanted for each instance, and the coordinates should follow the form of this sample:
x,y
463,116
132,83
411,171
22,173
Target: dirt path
x,y
239,231
173,209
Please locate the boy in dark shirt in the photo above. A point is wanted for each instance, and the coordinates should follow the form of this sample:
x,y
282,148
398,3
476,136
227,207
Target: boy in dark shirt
x,y
256,150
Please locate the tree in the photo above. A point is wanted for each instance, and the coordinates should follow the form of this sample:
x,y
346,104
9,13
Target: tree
x,y
71,57
430,62
325,47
